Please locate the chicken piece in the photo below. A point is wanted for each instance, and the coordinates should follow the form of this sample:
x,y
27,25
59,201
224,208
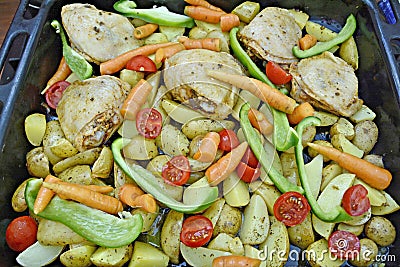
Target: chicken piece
x,y
185,76
327,82
89,110
271,35
98,35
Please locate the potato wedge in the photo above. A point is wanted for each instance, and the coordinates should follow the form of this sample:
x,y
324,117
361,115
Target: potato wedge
x,y
214,211
268,192
236,192
140,148
302,235
202,126
85,157
170,235
63,148
78,256
35,127
201,256
52,233
172,141
79,174
18,202
37,163
145,255
229,221
316,254
220,242
388,207
103,166
111,257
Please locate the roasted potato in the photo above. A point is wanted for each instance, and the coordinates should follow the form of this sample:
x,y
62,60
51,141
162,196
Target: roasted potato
x,y
172,141
102,167
170,231
37,163
63,148
368,253
18,202
112,257
79,174
229,221
78,256
342,126
365,135
52,233
302,235
85,157
200,127
140,148
380,230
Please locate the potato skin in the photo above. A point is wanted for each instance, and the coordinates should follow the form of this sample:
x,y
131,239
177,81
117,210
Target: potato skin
x,y
380,230
37,163
367,248
229,221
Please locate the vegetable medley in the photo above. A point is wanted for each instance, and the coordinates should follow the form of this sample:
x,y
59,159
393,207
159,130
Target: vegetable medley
x,y
196,141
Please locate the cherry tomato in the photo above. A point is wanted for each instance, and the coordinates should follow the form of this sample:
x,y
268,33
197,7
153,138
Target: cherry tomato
x,y
291,208
54,93
246,173
176,171
355,200
21,233
149,122
228,140
276,74
141,63
344,245
196,231
250,159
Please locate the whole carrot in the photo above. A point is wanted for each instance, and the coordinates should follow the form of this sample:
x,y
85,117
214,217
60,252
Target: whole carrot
x,y
208,147
146,202
300,112
135,99
373,175
213,44
235,261
203,14
62,73
260,122
128,192
203,3
229,21
44,195
166,52
144,30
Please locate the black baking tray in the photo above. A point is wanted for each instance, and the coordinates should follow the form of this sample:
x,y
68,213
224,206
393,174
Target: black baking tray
x,y
31,52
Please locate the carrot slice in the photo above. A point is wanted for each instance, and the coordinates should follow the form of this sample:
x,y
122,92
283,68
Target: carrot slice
x,y
208,147
135,99
235,260
300,112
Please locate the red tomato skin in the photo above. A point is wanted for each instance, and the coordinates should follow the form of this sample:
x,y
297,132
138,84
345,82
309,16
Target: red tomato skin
x,y
54,93
228,140
355,200
276,74
246,173
21,233
141,63
176,171
196,231
149,123
250,159
344,245
287,203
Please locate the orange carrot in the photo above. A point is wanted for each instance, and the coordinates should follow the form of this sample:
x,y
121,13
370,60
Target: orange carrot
x,y
203,3
208,147
128,192
135,99
300,112
373,175
144,30
203,14
260,122
118,63
220,170
266,93
86,196
104,189
166,52
235,261
44,195
62,73
213,44
229,21
307,41
146,202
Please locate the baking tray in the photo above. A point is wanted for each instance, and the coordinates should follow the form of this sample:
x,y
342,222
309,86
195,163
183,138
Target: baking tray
x,y
31,52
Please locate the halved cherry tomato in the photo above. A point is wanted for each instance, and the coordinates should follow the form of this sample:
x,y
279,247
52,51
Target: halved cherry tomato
x,y
228,140
196,231
344,245
21,233
141,63
250,159
149,122
355,200
246,173
291,208
276,74
176,171
54,93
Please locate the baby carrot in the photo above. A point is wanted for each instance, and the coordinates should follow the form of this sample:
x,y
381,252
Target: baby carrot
x,y
146,202
203,14
300,112
166,52
229,21
144,30
135,99
208,147
260,122
266,93
86,196
373,175
62,72
44,195
235,261
307,41
221,169
203,3
213,44
128,192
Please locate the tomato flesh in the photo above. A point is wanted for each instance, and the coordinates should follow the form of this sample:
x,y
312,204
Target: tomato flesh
x,y
228,140
250,159
141,63
276,74
176,171
355,200
291,208
54,93
21,233
246,173
196,231
149,122
344,245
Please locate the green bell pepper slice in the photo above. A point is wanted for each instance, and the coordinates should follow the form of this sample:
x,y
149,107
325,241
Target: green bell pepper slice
x,y
96,226
335,215
148,183
159,15
346,32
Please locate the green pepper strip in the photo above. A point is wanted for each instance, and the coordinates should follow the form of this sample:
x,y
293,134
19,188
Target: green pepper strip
x,y
284,136
283,184
75,61
94,225
335,215
148,183
160,15
346,32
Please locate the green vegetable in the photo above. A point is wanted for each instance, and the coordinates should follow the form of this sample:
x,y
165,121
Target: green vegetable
x,y
75,61
283,184
148,183
96,226
160,15
346,32
335,215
